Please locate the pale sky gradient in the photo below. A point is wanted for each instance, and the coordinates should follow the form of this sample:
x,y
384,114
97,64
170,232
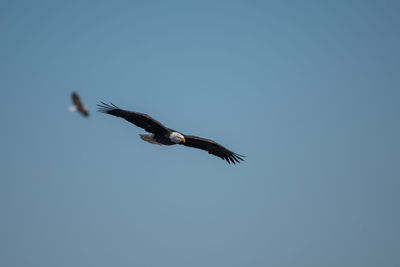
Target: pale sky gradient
x,y
309,91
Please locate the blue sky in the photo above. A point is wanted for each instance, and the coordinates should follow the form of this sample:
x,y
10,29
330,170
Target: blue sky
x,y
308,91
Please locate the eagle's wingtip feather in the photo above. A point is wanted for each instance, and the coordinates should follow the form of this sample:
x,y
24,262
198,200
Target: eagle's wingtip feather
x,y
105,108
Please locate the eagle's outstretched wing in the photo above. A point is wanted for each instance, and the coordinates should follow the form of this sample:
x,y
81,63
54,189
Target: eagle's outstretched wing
x,y
139,119
213,148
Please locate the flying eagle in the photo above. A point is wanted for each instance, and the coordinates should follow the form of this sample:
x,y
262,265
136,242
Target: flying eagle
x,y
78,106
161,135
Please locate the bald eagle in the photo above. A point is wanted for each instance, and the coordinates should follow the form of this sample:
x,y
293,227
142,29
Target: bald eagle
x,y
78,106
161,135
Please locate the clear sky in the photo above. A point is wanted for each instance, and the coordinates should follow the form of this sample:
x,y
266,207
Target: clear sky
x,y
309,91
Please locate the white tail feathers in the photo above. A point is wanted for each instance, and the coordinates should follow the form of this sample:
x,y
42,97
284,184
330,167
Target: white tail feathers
x,y
72,108
149,138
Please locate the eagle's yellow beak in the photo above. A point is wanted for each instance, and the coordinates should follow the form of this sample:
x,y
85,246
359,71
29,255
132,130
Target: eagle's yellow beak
x,y
183,140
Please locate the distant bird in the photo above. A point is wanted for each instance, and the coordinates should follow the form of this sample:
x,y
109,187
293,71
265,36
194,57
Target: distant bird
x,y
162,135
78,106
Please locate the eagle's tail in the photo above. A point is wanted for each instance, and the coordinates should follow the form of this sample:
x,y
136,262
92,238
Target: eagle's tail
x,y
149,138
72,108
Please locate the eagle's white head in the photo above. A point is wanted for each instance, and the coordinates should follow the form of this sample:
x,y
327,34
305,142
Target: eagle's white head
x,y
177,138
